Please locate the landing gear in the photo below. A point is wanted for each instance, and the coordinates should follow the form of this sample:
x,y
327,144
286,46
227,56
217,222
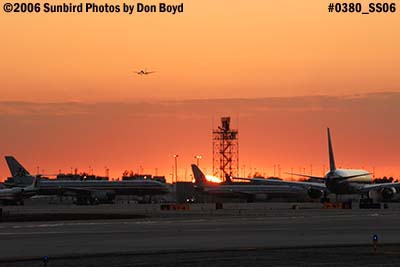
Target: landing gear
x,y
250,200
368,203
325,198
86,201
7,202
338,203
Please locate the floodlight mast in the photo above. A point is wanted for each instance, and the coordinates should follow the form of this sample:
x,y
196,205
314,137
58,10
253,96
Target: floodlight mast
x,y
225,150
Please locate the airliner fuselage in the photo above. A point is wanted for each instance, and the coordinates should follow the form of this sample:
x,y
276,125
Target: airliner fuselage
x,y
337,181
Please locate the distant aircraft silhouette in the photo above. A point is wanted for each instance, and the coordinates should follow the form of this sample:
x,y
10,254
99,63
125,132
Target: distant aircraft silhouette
x,y
144,72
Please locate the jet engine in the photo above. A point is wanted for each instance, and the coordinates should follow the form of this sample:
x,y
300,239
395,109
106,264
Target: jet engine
x,y
314,193
388,193
102,196
95,197
261,197
383,194
17,190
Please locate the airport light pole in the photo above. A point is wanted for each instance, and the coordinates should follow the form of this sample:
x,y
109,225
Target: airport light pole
x,y
279,170
106,171
176,177
176,167
198,158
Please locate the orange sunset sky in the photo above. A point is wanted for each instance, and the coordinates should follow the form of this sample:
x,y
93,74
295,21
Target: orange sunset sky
x,y
284,70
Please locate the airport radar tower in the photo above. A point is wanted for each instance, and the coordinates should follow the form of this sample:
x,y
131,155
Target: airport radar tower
x,y
225,150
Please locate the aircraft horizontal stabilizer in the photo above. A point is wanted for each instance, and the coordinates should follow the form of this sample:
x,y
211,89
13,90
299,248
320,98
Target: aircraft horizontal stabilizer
x,y
308,176
353,176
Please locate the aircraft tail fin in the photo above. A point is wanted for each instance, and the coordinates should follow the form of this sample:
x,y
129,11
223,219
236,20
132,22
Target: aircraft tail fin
x,y
199,176
332,166
16,169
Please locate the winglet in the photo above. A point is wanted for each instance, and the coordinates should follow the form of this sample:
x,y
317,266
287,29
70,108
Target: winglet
x,y
35,184
331,157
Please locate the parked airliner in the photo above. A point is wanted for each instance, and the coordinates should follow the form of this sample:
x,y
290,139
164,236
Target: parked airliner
x,y
342,181
249,191
16,195
88,191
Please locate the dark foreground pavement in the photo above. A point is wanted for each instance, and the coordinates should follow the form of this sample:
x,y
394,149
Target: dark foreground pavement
x,y
388,255
267,237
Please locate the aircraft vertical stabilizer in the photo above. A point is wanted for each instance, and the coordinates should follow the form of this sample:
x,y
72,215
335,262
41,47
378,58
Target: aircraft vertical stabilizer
x,y
199,176
331,157
16,169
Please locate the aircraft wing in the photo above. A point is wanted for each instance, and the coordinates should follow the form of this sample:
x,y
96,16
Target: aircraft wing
x,y
84,191
80,191
319,186
8,198
281,189
224,192
323,178
307,185
368,187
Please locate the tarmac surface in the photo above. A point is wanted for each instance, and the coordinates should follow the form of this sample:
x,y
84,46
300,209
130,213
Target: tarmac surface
x,y
238,235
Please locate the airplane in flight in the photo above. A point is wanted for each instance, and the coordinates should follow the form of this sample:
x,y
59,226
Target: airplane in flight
x,y
144,72
16,195
87,191
250,191
341,181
